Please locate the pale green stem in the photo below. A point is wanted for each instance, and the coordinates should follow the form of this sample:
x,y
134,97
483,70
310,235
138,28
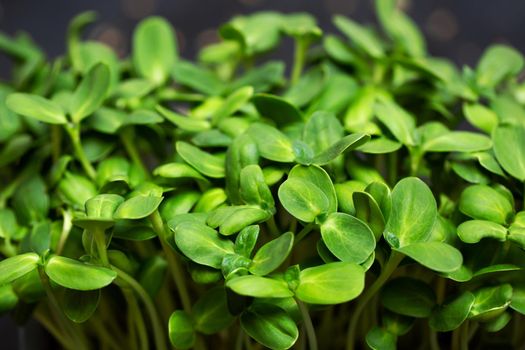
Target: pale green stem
x,y
272,226
66,229
50,326
158,330
100,241
301,47
390,266
77,337
306,230
173,263
308,325
135,320
74,134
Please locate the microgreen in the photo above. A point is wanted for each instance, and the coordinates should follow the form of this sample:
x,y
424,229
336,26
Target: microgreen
x,y
218,203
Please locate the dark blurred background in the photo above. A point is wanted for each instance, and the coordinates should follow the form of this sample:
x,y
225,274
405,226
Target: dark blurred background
x,y
459,30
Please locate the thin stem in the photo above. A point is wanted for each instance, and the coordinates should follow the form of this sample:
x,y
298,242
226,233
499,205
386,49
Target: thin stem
x,y
308,325
390,266
127,136
464,336
74,134
49,325
392,168
76,336
104,335
158,331
67,225
306,230
415,159
135,320
173,263
301,47
100,241
272,226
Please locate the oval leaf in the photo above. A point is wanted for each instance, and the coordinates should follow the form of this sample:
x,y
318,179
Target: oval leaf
x,y
347,237
332,283
36,107
75,275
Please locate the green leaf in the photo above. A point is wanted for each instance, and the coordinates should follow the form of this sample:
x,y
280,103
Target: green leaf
x,y
473,231
509,148
183,122
210,313
201,243
458,141
480,116
15,148
31,201
36,107
270,326
75,275
347,237
232,104
400,28
360,36
437,256
261,78
153,274
379,145
277,109
180,330
271,255
452,314
154,49
348,142
318,177
198,78
91,53
271,143
490,302
90,93
408,296
137,207
256,33
246,240
332,283
206,163
241,217
400,123
497,63
518,299
380,339
259,287
8,298
367,210
253,189
413,213
80,306
303,199
17,266
485,203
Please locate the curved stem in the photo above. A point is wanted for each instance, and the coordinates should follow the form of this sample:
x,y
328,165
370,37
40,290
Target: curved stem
x,y
464,336
100,241
173,263
76,336
308,325
306,230
301,46
391,265
74,134
67,225
158,332
135,320
55,332
272,226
